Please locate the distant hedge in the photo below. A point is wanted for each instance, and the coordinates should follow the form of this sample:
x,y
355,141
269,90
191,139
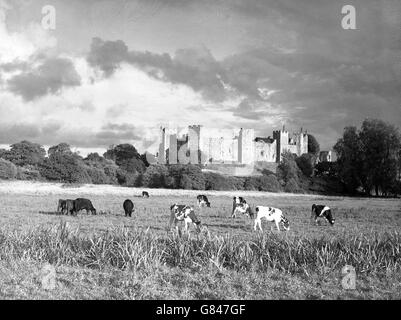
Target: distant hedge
x,y
8,170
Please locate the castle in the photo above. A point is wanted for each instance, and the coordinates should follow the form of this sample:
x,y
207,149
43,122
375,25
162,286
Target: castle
x,y
200,145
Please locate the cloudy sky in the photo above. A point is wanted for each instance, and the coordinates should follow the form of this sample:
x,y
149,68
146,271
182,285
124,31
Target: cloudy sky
x,y
113,70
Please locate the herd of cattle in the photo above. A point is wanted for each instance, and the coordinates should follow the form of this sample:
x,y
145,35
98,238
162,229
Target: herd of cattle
x,y
186,214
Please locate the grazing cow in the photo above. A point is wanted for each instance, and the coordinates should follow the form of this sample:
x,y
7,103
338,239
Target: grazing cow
x,y
145,194
128,208
81,204
237,201
203,201
70,207
272,215
61,206
186,214
319,211
243,208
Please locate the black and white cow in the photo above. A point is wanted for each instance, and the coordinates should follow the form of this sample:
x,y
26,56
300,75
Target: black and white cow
x,y
128,206
186,214
242,208
237,201
272,215
145,194
203,201
322,211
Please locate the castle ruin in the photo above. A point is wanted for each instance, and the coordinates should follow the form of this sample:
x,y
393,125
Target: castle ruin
x,y
200,145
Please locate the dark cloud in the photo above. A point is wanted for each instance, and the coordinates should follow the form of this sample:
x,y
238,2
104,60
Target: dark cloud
x,y
53,133
10,134
194,67
50,76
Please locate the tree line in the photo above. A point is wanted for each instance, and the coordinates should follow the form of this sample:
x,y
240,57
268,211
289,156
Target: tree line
x,y
369,161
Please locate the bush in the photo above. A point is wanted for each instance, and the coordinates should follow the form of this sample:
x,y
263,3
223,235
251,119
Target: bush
x,y
288,169
98,176
218,182
155,176
8,170
65,168
268,183
305,163
292,187
29,173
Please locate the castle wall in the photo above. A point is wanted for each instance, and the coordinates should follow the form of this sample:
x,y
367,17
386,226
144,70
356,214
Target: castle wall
x,y
219,145
226,146
265,152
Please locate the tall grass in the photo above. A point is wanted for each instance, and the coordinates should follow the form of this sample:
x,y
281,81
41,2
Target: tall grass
x,y
135,249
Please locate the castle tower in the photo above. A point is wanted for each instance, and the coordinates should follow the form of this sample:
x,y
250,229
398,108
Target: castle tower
x,y
302,143
194,143
173,151
162,146
246,146
282,138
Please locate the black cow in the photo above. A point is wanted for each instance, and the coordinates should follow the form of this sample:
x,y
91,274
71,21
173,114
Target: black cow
x,y
145,194
70,207
320,211
81,204
203,201
61,206
128,207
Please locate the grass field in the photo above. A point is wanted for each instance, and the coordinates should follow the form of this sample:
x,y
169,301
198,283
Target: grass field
x,y
112,257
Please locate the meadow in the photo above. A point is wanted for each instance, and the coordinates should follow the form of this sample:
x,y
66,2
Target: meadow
x,y
109,256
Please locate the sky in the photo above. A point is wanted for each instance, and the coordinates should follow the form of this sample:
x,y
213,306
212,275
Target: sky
x,y
113,71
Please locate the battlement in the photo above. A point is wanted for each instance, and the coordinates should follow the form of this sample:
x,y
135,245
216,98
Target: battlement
x,y
209,146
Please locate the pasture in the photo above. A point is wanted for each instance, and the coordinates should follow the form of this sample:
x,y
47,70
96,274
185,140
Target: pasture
x,y
109,256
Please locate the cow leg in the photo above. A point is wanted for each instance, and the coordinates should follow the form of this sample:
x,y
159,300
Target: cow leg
x,y
260,225
171,221
277,225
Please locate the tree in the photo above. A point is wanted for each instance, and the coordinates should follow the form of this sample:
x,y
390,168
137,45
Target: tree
x,y
349,159
313,145
62,148
26,153
368,158
8,170
155,176
305,163
65,168
126,157
381,143
288,168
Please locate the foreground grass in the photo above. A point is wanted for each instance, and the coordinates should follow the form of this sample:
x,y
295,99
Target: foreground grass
x,y
134,264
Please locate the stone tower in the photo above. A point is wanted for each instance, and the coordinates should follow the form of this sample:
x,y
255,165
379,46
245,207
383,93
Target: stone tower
x,y
162,146
302,143
194,142
282,138
173,150
246,146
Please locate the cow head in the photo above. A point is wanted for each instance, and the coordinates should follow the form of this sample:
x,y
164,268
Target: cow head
x,y
173,206
329,217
